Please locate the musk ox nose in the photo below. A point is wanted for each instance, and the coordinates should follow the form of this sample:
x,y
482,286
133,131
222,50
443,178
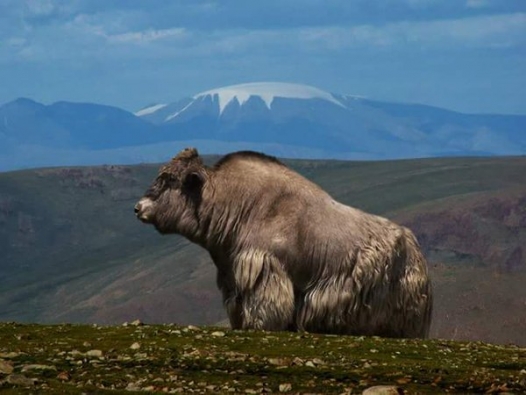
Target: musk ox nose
x,y
143,209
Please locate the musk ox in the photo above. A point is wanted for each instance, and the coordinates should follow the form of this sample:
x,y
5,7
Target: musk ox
x,y
288,256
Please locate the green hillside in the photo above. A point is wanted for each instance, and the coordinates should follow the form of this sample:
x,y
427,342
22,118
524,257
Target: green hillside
x,y
71,249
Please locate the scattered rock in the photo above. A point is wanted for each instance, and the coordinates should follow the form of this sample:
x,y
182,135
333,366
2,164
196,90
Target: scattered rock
x,y
86,344
20,379
27,368
94,353
137,323
277,361
133,387
298,361
285,387
310,364
383,390
6,367
64,376
135,346
218,334
76,353
10,355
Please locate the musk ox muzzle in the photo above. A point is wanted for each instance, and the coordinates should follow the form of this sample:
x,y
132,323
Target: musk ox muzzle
x,y
143,210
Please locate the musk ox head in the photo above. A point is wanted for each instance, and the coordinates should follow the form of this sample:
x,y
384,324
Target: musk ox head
x,y
171,202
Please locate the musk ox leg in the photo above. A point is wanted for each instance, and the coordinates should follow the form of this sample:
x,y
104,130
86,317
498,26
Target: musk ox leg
x,y
328,307
231,299
266,293
414,289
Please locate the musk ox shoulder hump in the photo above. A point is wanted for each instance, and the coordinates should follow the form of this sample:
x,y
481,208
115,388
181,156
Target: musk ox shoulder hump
x,y
247,155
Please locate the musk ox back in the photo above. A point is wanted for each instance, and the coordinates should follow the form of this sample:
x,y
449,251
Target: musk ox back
x,y
288,256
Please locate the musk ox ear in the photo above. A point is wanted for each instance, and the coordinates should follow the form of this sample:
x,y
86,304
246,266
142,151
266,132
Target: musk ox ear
x,y
193,180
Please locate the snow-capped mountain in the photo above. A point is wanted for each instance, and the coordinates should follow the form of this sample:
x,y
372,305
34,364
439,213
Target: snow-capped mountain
x,y
222,98
336,125
282,119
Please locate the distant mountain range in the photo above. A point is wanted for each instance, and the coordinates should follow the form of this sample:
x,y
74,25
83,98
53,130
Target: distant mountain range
x,y
287,120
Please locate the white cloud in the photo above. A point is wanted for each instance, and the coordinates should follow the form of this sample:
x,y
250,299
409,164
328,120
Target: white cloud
x,y
477,3
147,36
106,36
40,7
480,31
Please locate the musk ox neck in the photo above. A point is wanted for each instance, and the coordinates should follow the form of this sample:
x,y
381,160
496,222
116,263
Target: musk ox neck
x,y
245,197
221,220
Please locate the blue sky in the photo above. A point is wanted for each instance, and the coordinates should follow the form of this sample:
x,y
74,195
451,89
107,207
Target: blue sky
x,y
465,55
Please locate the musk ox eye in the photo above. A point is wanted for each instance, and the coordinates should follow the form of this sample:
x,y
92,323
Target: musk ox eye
x,y
167,178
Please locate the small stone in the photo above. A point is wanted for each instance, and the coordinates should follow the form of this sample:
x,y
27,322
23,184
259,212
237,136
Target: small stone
x,y
86,344
64,376
94,353
10,355
27,368
383,390
20,379
310,364
297,361
285,387
133,387
6,367
192,328
136,323
218,334
277,361
318,361
135,346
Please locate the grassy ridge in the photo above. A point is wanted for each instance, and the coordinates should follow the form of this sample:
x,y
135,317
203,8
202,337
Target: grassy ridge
x,y
168,358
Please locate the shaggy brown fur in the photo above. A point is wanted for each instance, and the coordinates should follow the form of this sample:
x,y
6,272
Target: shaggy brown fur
x,y
288,256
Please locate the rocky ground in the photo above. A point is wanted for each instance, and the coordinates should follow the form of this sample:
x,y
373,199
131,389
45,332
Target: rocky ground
x,y
173,359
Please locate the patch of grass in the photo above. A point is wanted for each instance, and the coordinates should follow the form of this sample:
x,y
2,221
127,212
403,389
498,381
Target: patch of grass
x,y
169,358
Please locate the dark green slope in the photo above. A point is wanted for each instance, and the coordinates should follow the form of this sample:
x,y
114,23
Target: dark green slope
x,y
72,250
